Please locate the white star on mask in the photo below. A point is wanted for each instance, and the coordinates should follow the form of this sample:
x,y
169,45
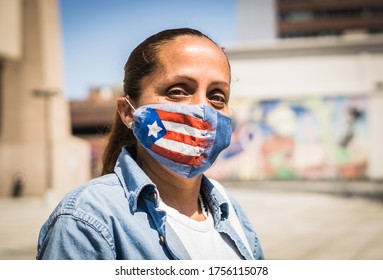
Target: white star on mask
x,y
154,129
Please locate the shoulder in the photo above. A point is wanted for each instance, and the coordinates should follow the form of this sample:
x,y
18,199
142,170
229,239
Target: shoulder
x,y
80,226
90,203
101,189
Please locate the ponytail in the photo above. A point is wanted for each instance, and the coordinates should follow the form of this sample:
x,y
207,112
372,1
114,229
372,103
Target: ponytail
x,y
119,137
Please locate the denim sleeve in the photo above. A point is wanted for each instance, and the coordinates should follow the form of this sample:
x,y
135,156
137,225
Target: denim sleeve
x,y
248,228
70,238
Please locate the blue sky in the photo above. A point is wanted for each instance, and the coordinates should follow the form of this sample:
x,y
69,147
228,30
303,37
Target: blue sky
x,y
98,35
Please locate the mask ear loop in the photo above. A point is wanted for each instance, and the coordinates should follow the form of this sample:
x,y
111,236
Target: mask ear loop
x,y
130,124
130,104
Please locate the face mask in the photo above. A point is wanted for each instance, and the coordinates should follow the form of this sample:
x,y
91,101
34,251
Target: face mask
x,y
185,138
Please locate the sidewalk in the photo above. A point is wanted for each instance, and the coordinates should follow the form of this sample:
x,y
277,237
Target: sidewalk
x,y
291,224
20,221
315,226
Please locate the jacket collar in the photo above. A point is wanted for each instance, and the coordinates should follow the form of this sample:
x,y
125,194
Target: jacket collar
x,y
135,183
132,178
217,203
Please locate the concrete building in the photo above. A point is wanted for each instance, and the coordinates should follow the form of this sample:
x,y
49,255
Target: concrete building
x,y
306,18
257,20
272,19
310,107
38,154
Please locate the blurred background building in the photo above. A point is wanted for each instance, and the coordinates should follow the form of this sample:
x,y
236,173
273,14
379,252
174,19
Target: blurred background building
x,y
307,18
307,97
37,149
307,93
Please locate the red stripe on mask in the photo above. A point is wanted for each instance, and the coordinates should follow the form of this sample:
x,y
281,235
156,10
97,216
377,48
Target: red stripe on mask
x,y
177,157
184,119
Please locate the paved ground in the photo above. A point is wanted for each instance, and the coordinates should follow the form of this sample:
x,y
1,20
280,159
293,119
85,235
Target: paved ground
x,y
291,223
309,225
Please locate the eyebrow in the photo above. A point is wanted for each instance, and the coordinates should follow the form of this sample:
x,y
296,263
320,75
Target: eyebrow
x,y
221,83
185,77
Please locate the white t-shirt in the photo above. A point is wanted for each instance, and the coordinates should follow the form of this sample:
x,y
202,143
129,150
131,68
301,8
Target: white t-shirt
x,y
201,240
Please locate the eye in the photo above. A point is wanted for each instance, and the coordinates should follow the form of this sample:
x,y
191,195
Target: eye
x,y
218,100
176,94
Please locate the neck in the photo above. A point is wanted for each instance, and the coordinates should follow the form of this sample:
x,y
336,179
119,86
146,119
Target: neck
x,y
176,191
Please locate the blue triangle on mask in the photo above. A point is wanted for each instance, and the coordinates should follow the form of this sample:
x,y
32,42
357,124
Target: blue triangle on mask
x,y
148,127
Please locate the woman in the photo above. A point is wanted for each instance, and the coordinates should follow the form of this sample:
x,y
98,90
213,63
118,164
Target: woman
x,y
153,201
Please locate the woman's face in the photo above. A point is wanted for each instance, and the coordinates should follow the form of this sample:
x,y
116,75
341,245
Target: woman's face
x,y
191,70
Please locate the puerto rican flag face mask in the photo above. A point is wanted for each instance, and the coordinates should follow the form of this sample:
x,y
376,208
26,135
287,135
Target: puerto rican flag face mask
x,y
185,138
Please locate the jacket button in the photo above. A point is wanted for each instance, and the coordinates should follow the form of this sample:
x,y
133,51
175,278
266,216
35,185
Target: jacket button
x,y
162,239
154,197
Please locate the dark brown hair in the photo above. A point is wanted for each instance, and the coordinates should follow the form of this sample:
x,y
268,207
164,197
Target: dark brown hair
x,y
141,63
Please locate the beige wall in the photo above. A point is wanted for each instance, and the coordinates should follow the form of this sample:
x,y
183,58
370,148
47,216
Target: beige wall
x,y
35,137
10,29
307,67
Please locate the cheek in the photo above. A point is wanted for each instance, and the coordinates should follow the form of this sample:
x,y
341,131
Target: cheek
x,y
225,111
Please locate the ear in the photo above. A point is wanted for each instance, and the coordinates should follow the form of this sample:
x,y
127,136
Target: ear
x,y
125,111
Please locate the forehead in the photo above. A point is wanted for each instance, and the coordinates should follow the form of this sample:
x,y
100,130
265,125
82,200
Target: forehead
x,y
192,50
192,43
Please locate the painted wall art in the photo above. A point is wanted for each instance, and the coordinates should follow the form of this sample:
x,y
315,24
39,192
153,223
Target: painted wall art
x,y
296,139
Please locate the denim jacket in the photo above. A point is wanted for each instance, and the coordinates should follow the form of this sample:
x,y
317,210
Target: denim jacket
x,y
116,216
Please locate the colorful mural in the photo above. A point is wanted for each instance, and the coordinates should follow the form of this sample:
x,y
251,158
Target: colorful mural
x,y
312,138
